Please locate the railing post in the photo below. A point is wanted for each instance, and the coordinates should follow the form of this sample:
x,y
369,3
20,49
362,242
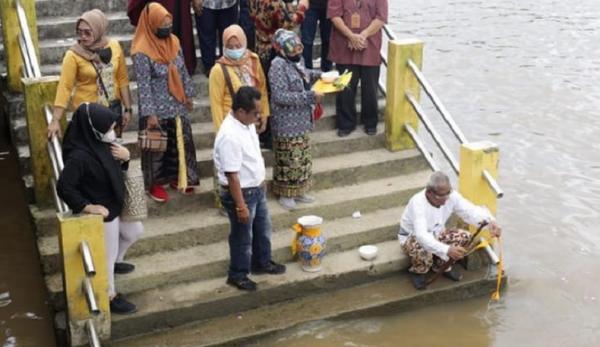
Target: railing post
x,y
10,34
72,231
474,158
38,92
399,81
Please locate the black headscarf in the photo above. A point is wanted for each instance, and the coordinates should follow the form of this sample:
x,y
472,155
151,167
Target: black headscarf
x,y
80,136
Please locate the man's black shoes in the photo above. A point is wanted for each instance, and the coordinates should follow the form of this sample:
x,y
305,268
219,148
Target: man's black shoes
x,y
419,281
242,283
271,268
118,305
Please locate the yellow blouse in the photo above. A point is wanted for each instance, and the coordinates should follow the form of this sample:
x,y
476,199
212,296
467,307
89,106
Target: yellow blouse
x,y
77,82
220,100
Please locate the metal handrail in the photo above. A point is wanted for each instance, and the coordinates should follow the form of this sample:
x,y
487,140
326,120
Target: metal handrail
x,y
446,116
421,146
31,69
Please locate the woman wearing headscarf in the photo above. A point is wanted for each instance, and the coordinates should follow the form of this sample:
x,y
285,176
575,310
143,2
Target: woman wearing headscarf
x,y
165,98
93,70
242,68
292,102
92,182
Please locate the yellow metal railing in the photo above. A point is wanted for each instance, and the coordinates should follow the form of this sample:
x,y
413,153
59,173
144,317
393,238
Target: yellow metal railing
x,y
81,238
477,167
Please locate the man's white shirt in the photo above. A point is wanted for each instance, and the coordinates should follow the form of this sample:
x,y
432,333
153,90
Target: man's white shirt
x,y
237,149
426,222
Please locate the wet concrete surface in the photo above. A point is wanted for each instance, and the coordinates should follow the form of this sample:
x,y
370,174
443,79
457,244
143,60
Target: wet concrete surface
x,y
25,318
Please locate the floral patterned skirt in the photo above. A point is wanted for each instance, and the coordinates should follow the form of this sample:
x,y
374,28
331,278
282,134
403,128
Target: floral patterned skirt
x,y
292,172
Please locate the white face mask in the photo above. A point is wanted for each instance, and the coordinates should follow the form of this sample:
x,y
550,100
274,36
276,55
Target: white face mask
x,y
109,137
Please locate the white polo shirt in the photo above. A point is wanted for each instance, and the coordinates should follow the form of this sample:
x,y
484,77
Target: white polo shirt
x,y
237,149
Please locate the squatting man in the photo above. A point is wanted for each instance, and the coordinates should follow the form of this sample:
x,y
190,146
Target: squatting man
x,y
423,235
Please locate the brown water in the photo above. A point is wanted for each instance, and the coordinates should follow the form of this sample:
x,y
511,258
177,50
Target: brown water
x,y
524,74
24,314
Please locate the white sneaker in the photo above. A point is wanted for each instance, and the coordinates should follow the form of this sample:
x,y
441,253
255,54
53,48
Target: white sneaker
x,y
306,199
287,203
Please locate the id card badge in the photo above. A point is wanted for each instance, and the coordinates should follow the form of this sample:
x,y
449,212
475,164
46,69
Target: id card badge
x,y
355,21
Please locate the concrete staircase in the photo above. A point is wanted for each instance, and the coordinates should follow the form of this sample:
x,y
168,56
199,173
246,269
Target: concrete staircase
x,y
182,257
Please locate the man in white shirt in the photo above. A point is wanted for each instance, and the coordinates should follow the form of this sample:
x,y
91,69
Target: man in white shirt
x,y
423,235
241,174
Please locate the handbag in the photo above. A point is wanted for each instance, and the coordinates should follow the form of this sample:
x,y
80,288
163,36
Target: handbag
x,y
134,202
152,140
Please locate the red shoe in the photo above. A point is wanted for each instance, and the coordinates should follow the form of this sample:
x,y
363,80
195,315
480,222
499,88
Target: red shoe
x,y
187,191
159,194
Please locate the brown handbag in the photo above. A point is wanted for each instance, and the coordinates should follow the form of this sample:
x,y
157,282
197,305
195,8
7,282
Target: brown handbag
x,y
152,140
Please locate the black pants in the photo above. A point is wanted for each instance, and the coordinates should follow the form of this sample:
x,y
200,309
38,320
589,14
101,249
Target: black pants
x,y
345,103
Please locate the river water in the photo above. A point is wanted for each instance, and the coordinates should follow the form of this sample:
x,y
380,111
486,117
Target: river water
x,y
524,74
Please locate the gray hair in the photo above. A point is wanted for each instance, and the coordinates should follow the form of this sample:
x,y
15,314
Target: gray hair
x,y
438,179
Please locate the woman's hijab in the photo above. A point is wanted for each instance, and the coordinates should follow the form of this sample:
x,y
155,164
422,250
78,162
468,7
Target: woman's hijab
x,y
89,122
285,42
245,63
98,23
162,51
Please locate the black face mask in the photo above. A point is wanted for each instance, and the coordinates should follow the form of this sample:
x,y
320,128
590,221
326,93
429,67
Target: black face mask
x,y
295,59
163,33
105,55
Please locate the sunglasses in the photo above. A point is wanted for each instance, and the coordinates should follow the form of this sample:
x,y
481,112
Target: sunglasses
x,y
84,32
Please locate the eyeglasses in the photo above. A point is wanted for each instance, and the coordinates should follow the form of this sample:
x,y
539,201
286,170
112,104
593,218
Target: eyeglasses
x,y
84,32
441,196
98,134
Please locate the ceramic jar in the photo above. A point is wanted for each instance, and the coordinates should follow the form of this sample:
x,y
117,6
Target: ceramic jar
x,y
309,243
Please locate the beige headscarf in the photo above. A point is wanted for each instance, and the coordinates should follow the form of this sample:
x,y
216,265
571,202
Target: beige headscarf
x,y
246,63
98,22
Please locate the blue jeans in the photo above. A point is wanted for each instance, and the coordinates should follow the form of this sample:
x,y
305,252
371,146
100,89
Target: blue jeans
x,y
210,26
308,31
249,244
247,24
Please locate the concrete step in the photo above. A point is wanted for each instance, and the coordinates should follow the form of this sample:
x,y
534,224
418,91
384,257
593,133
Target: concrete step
x,y
179,304
60,27
74,8
393,294
207,226
206,262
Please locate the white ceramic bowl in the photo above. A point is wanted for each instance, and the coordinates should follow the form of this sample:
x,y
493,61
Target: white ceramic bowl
x,y
368,252
330,76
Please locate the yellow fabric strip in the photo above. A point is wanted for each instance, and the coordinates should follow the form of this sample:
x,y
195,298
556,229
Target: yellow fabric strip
x,y
182,177
500,270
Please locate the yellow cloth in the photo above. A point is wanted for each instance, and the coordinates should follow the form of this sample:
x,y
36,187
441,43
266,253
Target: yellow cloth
x,y
220,100
342,82
78,77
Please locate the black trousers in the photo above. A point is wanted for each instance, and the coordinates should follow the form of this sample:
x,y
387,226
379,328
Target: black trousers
x,y
345,103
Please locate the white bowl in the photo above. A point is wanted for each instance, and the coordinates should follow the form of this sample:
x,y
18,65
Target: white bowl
x,y
330,76
368,252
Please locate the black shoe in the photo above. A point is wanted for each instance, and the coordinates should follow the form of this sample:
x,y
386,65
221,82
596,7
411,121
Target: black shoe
x,y
419,281
124,268
271,268
243,284
119,305
453,274
343,133
371,131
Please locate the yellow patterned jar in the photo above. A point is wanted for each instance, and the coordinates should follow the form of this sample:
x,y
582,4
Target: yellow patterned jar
x,y
309,243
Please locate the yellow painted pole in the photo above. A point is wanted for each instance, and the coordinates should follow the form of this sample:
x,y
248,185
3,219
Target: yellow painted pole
x,y
400,79
474,158
73,230
39,92
10,34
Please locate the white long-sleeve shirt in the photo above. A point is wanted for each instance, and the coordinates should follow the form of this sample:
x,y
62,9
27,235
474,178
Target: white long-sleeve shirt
x,y
426,221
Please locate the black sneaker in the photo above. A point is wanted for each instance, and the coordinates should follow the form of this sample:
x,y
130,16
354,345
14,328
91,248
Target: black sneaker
x,y
371,131
418,280
119,305
453,274
124,268
343,133
243,284
271,268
